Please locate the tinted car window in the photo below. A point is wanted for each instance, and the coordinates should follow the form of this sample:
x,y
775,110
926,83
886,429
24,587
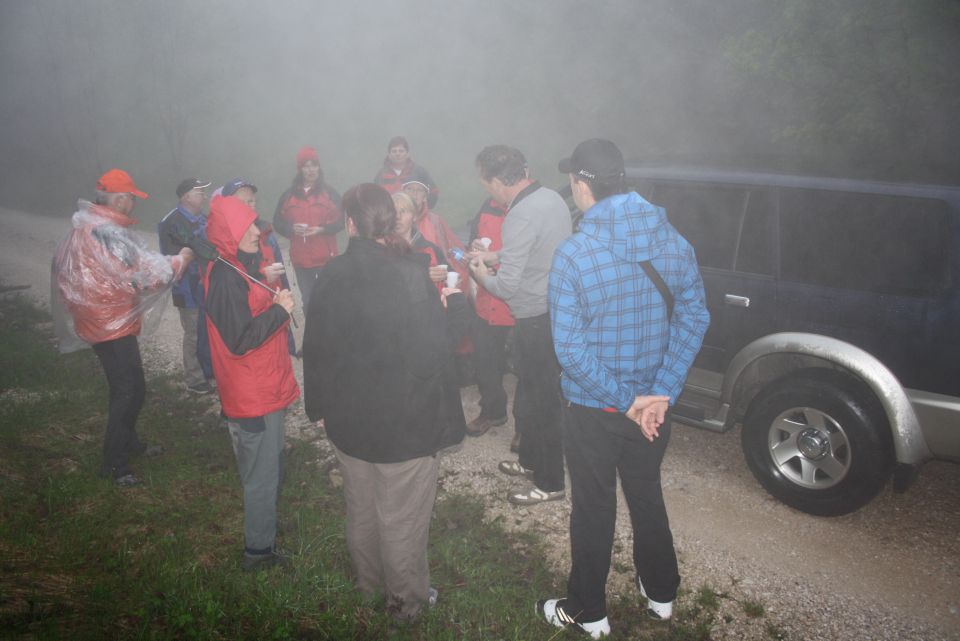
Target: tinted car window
x,y
707,216
868,242
728,226
755,250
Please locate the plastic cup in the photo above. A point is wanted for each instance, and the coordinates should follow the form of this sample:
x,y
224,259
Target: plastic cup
x,y
486,243
452,279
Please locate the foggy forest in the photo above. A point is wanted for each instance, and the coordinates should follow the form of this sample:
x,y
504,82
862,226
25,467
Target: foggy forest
x,y
864,88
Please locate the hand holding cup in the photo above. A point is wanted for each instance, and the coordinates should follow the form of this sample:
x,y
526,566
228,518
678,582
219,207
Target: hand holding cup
x,y
438,273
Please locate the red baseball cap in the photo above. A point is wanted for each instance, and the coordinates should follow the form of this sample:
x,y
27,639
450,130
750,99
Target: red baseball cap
x,y
306,154
117,181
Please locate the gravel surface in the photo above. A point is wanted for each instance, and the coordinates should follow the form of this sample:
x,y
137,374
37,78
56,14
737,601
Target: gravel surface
x,y
890,571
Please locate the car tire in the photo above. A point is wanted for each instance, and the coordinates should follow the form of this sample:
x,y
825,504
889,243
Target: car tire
x,y
818,442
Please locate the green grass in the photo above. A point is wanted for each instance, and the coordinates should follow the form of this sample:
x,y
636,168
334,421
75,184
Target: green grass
x,y
81,559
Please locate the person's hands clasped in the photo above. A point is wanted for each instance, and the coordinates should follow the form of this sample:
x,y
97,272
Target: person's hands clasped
x,y
649,412
284,298
438,273
303,230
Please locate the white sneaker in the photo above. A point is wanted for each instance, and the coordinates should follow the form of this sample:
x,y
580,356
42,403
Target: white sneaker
x,y
655,609
552,610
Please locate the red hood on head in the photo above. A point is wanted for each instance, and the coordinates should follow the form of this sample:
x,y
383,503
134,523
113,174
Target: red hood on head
x,y
229,220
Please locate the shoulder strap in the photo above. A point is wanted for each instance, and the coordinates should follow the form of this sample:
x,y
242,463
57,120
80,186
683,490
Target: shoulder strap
x,y
654,275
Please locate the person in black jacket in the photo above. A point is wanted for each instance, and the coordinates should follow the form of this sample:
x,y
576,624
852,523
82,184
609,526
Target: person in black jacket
x,y
377,355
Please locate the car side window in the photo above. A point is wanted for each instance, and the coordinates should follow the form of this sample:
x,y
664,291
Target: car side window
x,y
713,218
868,242
755,251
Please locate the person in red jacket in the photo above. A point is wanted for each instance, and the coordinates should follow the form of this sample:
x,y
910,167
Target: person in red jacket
x,y
490,331
399,168
308,213
108,280
247,326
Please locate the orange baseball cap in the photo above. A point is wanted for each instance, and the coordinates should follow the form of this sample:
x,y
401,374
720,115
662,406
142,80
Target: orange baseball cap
x,y
117,181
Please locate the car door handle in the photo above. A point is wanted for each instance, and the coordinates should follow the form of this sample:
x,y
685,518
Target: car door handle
x,y
736,301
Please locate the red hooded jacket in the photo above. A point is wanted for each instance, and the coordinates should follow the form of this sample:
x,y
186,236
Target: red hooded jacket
x,y
248,344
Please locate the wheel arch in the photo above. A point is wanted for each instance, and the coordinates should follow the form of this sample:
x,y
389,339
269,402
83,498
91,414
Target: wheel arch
x,y
777,355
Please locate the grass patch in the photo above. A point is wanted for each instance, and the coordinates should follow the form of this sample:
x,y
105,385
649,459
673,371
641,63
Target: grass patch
x,y
82,559
753,609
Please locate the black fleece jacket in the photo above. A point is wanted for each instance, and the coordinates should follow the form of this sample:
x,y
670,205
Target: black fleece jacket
x,y
377,356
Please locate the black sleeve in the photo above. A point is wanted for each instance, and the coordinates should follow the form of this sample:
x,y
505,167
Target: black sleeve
x,y
228,310
318,324
459,315
337,227
280,225
169,245
334,195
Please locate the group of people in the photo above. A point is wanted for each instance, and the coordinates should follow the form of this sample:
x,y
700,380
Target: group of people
x,y
606,320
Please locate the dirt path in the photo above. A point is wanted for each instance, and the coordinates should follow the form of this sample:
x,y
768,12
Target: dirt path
x,y
889,571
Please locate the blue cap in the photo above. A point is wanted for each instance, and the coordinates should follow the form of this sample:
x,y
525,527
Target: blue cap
x,y
232,186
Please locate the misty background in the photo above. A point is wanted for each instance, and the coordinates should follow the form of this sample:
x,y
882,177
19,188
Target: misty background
x,y
218,88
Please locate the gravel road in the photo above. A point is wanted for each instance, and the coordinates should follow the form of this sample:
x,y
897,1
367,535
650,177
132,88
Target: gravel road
x,y
890,571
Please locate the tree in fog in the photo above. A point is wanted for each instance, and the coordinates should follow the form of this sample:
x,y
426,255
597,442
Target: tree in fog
x,y
858,83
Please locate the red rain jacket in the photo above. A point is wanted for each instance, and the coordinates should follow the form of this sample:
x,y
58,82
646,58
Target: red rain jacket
x,y
248,344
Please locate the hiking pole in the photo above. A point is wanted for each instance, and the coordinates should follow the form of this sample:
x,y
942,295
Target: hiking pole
x,y
254,280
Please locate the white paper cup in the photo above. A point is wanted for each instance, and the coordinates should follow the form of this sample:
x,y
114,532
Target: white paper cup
x,y
486,243
452,279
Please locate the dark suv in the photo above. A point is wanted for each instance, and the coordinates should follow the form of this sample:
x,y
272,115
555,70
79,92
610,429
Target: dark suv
x,y
835,326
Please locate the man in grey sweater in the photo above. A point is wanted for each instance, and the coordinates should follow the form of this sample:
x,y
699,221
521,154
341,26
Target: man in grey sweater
x,y
537,221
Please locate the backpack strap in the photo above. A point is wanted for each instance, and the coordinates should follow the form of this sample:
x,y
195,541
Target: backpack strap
x,y
657,279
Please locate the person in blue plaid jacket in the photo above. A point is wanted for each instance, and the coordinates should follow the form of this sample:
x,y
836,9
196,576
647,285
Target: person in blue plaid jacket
x,y
628,317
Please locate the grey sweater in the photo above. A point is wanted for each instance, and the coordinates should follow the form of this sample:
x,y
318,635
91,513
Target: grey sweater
x,y
537,222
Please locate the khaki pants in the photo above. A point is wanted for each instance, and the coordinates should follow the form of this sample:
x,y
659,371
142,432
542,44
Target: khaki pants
x,y
192,372
388,525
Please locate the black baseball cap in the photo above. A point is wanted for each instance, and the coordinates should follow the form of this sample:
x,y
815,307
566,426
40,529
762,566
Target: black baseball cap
x,y
191,183
233,186
594,159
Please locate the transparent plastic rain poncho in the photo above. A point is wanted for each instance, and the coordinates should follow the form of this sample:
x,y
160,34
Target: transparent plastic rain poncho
x,y
106,283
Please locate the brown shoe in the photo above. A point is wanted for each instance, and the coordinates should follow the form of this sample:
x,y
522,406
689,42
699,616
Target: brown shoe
x,y
481,425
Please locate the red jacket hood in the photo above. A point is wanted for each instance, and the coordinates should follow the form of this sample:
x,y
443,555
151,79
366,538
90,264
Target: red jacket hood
x,y
229,220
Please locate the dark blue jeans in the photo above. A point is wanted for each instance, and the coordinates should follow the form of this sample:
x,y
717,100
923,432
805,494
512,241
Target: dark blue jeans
x,y
121,363
599,446
541,446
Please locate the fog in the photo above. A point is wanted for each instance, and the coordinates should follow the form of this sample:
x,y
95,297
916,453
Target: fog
x,y
221,88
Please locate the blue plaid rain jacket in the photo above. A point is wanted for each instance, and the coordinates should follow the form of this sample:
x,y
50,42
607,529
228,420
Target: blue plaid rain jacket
x,y
610,327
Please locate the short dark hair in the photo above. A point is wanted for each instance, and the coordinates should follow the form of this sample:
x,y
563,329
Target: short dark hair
x,y
502,162
398,141
604,188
